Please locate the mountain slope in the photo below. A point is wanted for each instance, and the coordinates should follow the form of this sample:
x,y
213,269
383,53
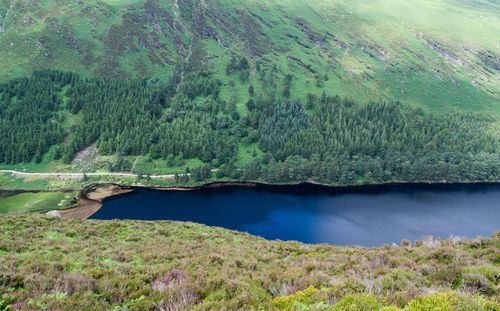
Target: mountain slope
x,y
441,54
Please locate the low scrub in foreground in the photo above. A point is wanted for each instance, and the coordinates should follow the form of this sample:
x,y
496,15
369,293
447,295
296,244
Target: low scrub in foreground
x,y
54,264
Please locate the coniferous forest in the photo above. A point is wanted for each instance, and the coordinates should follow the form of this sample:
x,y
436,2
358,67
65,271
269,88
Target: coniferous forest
x,y
324,138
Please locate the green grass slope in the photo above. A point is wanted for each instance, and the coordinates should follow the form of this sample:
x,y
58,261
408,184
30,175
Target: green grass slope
x,y
53,264
41,201
442,54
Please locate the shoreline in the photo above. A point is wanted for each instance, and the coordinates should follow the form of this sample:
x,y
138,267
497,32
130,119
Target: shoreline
x,y
91,197
295,188
311,184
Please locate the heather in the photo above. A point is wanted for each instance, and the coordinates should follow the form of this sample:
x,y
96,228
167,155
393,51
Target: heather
x,y
69,264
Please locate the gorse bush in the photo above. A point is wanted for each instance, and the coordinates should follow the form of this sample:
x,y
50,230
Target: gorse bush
x,y
452,302
309,296
358,302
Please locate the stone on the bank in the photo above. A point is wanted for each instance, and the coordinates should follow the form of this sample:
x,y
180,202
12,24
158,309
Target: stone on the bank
x,y
54,213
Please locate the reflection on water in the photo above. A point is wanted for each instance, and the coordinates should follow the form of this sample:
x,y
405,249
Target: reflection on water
x,y
369,216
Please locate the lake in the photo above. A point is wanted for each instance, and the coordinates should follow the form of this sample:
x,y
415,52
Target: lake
x,y
367,216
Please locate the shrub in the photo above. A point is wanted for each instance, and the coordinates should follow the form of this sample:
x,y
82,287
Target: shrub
x,y
476,283
309,296
448,275
396,281
179,298
489,271
75,283
443,255
282,289
436,302
169,280
358,302
451,302
405,243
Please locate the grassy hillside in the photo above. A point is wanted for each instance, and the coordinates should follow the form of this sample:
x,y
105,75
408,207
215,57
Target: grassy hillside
x,y
442,54
36,202
53,264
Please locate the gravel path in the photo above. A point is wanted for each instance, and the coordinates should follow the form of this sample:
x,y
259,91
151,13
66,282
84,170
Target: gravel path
x,y
80,175
76,175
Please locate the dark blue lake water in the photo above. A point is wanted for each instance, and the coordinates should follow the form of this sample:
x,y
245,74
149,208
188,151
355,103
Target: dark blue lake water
x,y
368,216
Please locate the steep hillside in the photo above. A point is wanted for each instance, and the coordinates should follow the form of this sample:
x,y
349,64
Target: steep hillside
x,y
441,54
53,264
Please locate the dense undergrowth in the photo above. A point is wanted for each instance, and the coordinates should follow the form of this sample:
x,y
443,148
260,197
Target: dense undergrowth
x,y
53,264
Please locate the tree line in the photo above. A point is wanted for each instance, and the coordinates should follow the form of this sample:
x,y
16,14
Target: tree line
x,y
326,139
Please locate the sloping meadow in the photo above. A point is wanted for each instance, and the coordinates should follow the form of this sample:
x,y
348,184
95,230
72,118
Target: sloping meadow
x,y
52,264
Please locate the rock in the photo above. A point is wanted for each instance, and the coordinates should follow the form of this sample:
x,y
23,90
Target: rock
x,y
54,214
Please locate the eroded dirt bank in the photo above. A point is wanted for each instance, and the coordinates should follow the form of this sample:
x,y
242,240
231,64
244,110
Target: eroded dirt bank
x,y
91,198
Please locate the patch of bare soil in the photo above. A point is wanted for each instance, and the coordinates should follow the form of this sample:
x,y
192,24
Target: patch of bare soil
x,y
85,209
172,189
100,192
91,200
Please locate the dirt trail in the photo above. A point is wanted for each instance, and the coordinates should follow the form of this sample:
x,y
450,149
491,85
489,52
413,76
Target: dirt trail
x,y
80,175
76,175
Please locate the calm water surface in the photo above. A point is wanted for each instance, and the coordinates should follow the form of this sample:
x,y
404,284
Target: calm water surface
x,y
368,216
